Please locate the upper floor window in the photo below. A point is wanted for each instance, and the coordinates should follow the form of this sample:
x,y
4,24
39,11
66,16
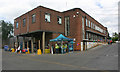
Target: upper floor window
x,y
59,20
86,22
24,21
104,32
93,26
33,18
89,23
47,17
16,24
83,30
67,25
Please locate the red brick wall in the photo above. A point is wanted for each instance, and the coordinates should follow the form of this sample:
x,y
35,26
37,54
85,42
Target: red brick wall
x,y
31,26
75,27
53,26
40,23
17,30
34,26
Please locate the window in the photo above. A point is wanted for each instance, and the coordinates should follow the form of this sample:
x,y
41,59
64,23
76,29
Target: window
x,y
93,26
89,23
104,32
67,25
59,20
86,22
24,21
47,17
83,30
95,37
16,24
89,36
86,35
33,18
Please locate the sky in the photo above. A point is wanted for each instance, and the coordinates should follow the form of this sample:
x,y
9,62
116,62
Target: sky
x,y
104,11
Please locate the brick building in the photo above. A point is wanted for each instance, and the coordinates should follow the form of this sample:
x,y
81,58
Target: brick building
x,y
44,24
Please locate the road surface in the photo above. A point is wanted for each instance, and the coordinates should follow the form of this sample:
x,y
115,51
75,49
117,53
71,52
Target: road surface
x,y
103,57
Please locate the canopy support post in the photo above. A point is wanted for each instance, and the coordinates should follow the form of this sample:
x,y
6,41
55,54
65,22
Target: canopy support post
x,y
43,42
32,45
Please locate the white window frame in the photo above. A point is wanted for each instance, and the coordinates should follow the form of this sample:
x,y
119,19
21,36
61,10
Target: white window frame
x,y
24,21
59,20
86,22
17,25
47,17
93,26
67,25
89,23
83,30
33,18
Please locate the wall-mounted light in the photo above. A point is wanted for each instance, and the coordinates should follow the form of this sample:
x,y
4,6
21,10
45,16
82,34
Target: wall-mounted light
x,y
73,16
77,13
74,39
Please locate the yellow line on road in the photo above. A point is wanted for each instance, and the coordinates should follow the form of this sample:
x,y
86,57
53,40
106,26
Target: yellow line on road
x,y
68,65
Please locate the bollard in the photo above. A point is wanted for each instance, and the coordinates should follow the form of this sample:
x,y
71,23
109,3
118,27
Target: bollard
x,y
13,50
39,52
28,51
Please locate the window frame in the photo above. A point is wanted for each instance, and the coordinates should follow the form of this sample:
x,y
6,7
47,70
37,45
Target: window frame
x,y
17,25
67,25
58,18
93,25
24,22
89,23
86,22
48,20
83,28
33,18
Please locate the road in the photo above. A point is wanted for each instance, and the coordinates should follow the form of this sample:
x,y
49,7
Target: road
x,y
103,57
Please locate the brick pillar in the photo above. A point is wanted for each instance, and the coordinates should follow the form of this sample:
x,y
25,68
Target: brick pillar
x,y
78,31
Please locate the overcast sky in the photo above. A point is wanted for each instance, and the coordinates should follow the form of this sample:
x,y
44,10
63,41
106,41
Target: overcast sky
x,y
104,11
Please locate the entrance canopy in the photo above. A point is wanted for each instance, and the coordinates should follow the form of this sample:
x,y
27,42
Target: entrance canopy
x,y
61,38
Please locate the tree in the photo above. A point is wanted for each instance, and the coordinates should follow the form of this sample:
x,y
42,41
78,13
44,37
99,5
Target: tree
x,y
115,37
7,31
